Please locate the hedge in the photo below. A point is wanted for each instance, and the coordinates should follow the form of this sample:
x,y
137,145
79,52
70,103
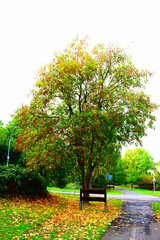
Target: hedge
x,y
15,180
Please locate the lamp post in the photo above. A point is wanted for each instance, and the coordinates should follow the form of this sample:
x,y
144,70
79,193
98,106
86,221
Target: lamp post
x,y
10,144
154,180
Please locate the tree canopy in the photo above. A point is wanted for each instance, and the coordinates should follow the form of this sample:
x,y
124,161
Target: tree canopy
x,y
87,103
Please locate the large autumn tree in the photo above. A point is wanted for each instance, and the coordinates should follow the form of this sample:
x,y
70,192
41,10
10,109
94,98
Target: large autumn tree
x,y
86,104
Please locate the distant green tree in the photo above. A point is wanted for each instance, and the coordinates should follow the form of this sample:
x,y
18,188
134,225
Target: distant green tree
x,y
136,163
118,172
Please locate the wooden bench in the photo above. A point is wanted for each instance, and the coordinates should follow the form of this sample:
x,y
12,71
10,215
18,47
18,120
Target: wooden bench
x,y
110,185
89,198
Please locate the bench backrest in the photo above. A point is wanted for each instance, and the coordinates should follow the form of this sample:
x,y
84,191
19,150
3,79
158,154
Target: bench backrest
x,y
85,196
93,198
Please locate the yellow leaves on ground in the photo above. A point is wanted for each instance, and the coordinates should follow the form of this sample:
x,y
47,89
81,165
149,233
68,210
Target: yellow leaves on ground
x,y
57,217
79,224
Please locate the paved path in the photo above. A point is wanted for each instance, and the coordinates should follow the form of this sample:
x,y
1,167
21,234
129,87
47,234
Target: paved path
x,y
132,196
136,221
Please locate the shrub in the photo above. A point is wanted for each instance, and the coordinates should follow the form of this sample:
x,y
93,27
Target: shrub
x,y
146,178
16,180
51,184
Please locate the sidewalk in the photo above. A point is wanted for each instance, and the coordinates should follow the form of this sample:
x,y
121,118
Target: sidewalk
x,y
136,222
133,196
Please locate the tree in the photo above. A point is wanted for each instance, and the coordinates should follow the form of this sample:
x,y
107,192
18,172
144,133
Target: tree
x,y
118,173
85,106
136,163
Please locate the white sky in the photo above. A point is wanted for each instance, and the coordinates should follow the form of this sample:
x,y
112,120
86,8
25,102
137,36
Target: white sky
x,y
31,30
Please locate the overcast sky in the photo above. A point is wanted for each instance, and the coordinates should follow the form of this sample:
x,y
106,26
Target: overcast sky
x,y
31,30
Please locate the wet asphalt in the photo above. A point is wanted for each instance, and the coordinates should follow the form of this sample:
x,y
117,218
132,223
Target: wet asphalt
x,y
137,220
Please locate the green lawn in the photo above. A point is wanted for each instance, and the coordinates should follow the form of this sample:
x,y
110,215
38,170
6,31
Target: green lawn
x,y
147,192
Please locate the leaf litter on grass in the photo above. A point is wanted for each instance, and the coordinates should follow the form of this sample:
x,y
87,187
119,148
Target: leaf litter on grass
x,y
84,223
55,216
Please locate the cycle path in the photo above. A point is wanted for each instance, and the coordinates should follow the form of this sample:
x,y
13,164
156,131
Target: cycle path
x,y
137,220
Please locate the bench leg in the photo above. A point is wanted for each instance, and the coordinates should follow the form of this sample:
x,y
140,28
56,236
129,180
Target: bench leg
x,y
80,205
105,206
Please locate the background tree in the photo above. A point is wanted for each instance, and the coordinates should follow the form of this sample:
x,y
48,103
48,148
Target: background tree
x,y
136,162
118,172
86,105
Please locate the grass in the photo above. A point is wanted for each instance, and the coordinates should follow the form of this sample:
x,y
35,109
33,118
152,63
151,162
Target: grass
x,y
147,192
156,209
70,188
55,217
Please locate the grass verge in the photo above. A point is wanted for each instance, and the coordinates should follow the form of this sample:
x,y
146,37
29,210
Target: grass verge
x,y
55,217
156,209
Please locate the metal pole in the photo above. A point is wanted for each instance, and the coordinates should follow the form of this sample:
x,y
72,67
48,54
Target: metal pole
x,y
154,186
10,144
154,182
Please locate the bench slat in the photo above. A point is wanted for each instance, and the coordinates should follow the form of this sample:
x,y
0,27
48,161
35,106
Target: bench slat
x,y
93,191
94,199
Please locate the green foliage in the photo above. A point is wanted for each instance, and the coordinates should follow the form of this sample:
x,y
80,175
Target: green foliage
x,y
157,184
15,155
85,106
100,182
57,177
146,178
118,173
16,180
60,177
136,163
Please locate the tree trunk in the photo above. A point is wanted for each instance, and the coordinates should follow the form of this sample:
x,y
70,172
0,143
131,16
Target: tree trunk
x,y
86,184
